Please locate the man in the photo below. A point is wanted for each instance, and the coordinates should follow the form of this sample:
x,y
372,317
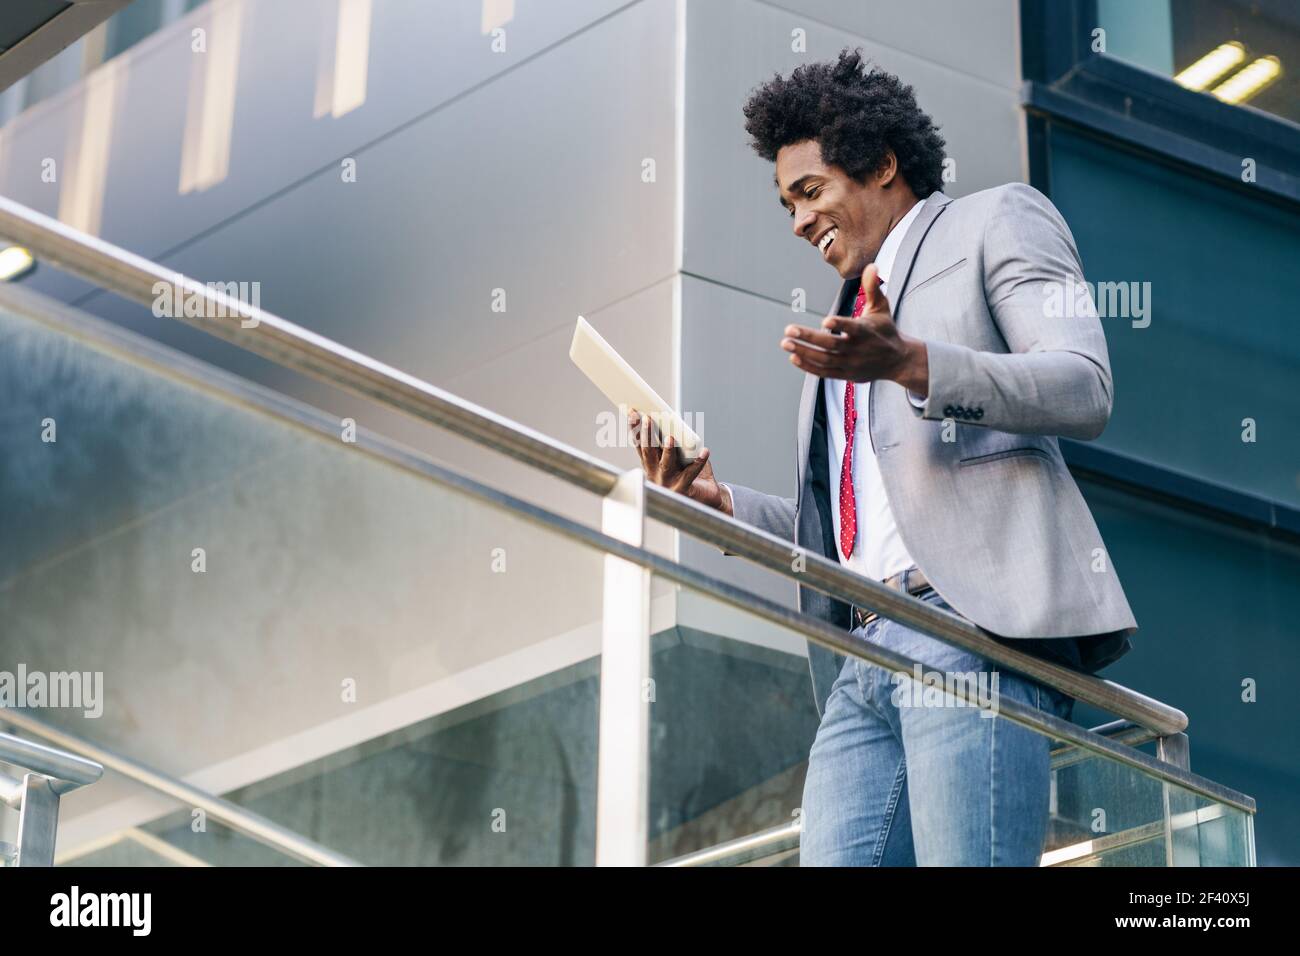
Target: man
x,y
927,459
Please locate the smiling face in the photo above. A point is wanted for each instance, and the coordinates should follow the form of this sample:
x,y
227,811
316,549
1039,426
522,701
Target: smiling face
x,y
846,220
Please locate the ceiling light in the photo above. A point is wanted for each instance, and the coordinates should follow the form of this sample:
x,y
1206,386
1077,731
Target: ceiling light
x,y
1250,81
1211,66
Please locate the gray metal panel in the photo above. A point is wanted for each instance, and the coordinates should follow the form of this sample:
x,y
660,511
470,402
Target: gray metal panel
x,y
422,57
737,378
980,38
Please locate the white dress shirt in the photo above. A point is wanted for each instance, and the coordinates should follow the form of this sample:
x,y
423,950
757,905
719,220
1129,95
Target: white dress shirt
x,y
878,551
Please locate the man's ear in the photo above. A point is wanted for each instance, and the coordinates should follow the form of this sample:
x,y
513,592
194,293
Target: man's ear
x,y
887,171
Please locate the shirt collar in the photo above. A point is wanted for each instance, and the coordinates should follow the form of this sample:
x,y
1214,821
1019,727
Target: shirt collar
x,y
889,248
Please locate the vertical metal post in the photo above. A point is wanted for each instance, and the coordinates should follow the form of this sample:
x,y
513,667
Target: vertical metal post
x,y
1176,749
38,822
624,751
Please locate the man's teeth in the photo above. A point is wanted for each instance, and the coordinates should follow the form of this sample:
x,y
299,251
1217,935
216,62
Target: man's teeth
x,y
827,239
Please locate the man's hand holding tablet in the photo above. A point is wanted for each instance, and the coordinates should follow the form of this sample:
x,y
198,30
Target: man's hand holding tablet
x,y
663,465
678,461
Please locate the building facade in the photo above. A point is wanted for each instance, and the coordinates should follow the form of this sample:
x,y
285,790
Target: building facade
x,y
411,678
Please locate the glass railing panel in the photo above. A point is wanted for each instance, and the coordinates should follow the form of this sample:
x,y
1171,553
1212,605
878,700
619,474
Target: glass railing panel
x,y
1212,834
733,721
1206,832
184,837
381,663
507,780
387,665
1102,809
123,851
1108,814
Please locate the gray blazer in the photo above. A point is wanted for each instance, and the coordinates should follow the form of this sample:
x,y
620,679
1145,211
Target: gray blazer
x,y
992,515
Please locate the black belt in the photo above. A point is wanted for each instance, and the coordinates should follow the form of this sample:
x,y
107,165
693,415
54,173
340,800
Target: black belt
x,y
911,581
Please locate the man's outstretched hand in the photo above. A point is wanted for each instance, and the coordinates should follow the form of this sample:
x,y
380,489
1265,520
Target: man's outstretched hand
x,y
663,465
864,349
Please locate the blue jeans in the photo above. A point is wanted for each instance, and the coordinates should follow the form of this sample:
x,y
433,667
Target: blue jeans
x,y
893,781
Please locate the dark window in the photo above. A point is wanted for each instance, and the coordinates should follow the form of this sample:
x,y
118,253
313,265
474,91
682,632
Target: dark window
x,y
1241,53
1128,69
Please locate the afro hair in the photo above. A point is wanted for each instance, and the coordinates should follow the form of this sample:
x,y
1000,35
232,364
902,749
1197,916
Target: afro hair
x,y
855,115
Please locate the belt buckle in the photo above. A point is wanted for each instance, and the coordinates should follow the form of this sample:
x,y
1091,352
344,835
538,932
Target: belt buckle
x,y
862,617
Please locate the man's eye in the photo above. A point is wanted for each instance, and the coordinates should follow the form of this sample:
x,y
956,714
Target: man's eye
x,y
813,194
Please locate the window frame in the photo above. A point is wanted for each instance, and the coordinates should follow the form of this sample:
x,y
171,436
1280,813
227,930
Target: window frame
x,y
1065,81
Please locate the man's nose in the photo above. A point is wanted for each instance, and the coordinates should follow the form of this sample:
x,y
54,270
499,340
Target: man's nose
x,y
801,224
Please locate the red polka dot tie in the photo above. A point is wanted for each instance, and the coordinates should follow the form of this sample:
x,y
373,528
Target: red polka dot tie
x,y
848,505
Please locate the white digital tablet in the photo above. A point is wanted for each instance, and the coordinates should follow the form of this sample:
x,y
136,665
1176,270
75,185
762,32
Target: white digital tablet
x,y
620,383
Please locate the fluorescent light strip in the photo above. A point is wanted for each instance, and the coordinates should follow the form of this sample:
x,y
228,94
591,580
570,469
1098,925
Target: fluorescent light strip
x,y
1211,66
1250,82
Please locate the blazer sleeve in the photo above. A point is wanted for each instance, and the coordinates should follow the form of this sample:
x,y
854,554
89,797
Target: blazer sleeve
x,y
770,513
1056,379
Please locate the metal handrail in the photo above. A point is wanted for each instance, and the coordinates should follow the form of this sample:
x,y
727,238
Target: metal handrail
x,y
46,774
105,337
294,347
247,822
1121,731
66,771
755,846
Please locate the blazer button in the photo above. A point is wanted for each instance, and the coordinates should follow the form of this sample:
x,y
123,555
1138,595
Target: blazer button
x,y
947,411
979,413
